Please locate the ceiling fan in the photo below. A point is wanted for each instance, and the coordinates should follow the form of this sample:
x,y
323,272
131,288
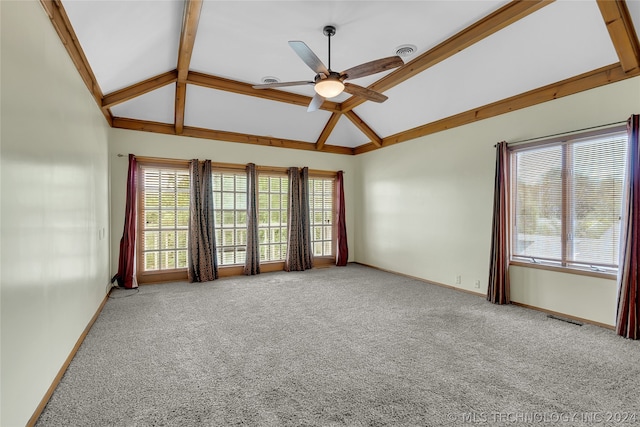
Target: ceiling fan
x,y
328,83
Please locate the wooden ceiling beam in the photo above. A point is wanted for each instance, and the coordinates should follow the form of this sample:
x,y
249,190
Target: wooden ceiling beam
x,y
219,83
490,24
328,128
364,128
190,20
181,100
596,78
168,129
620,26
62,25
138,89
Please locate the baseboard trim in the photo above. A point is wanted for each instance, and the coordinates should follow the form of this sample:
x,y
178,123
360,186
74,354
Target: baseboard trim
x,y
36,414
430,282
519,304
565,315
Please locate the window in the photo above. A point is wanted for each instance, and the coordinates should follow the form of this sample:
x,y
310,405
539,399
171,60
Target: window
x,y
230,210
321,194
272,216
164,214
566,202
164,211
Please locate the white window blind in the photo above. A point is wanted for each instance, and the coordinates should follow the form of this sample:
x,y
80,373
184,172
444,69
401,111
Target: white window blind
x,y
230,210
272,216
321,194
566,202
165,217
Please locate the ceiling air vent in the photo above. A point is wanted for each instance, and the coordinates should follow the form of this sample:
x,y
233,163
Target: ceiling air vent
x,y
406,50
270,79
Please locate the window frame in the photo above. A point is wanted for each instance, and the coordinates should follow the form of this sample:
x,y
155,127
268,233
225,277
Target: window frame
x,y
159,276
235,172
565,264
284,206
155,276
326,259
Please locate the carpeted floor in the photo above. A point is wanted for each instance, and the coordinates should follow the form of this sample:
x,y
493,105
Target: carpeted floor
x,y
340,346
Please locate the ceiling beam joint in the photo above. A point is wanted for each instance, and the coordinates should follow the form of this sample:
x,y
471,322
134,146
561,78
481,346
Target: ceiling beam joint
x,y
364,128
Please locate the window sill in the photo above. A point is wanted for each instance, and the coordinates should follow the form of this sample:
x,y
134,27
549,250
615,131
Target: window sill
x,y
566,270
162,276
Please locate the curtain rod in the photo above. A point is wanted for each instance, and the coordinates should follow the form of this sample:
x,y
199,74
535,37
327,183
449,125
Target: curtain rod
x,y
315,172
565,133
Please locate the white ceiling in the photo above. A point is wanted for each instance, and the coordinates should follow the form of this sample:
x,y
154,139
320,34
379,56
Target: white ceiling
x,y
126,42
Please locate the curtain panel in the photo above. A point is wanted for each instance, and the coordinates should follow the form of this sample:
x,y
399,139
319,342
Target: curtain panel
x,y
498,289
342,250
203,263
252,260
299,256
628,312
126,275
305,221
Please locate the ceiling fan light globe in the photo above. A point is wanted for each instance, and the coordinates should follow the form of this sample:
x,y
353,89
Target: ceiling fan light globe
x,y
329,88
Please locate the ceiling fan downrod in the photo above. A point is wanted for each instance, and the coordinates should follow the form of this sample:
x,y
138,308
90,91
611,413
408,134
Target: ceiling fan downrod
x,y
329,31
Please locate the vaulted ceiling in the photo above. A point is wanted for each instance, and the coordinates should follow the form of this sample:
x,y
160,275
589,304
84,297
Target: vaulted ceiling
x,y
188,67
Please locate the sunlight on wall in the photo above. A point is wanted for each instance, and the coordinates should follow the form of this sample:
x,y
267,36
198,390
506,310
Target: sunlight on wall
x,y
55,217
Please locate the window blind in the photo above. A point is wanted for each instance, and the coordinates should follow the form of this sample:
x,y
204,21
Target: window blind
x,y
321,195
566,201
272,216
165,217
230,210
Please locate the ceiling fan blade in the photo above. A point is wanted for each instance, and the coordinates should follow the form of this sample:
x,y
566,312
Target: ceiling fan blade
x,y
309,57
372,67
315,103
369,94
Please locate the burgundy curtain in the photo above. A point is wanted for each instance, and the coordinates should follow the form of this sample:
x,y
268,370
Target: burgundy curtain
x,y
252,260
203,263
127,260
628,314
342,250
498,289
299,255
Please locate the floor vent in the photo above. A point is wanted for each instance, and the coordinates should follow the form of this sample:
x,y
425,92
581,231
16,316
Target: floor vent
x,y
573,322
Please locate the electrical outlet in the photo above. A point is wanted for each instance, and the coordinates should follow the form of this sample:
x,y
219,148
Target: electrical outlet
x,y
478,284
458,279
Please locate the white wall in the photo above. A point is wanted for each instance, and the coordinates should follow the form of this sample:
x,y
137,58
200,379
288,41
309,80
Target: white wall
x,y
173,147
421,208
55,216
424,206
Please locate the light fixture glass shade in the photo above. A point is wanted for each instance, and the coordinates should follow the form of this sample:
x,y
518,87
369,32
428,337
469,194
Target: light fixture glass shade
x,y
328,88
